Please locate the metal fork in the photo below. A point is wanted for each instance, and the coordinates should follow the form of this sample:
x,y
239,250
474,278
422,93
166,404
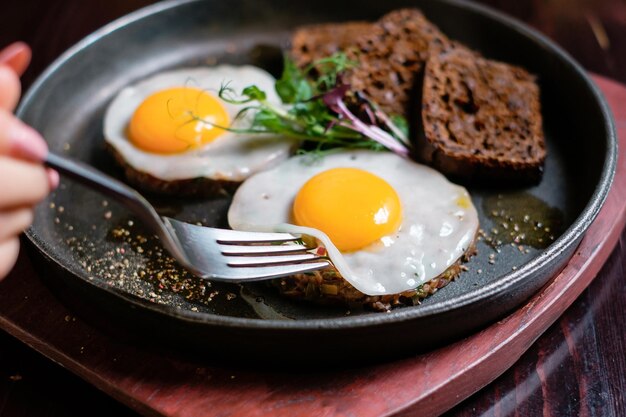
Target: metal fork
x,y
217,254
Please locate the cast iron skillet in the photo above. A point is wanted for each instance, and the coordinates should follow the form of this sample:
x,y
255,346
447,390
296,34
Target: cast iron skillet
x,y
74,228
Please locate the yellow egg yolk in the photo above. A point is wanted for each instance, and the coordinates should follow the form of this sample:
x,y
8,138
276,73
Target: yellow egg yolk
x,y
176,120
353,207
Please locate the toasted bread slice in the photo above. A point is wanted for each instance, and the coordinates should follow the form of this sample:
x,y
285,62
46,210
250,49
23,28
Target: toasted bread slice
x,y
481,119
389,53
391,56
313,42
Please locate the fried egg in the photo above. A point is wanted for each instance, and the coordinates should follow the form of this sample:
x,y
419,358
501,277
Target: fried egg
x,y
389,224
169,125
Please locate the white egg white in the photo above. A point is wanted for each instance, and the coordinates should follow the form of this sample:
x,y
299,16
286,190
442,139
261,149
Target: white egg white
x,y
436,228
231,156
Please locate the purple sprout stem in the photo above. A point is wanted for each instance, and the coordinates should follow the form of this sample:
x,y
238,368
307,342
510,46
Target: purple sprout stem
x,y
372,132
392,126
382,116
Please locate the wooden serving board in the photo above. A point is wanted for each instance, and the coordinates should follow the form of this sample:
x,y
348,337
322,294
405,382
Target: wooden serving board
x,y
160,383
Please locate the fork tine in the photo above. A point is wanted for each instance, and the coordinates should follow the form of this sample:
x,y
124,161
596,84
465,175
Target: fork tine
x,y
262,249
260,273
235,256
224,236
240,261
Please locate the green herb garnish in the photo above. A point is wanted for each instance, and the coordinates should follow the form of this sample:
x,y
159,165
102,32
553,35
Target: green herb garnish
x,y
316,112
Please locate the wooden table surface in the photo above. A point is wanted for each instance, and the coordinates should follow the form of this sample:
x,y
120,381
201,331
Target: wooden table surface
x,y
578,367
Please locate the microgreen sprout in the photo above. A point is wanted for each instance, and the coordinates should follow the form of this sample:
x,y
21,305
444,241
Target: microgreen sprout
x,y
318,108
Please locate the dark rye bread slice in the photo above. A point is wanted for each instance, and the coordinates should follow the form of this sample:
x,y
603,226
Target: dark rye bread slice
x,y
390,57
389,53
313,42
481,119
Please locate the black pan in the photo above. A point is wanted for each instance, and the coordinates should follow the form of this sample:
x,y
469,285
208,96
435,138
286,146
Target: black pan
x,y
73,229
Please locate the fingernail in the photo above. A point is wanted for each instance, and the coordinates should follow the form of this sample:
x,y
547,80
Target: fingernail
x,y
26,142
17,56
53,179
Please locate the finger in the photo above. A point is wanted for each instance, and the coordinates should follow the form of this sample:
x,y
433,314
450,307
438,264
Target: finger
x,y
20,140
23,183
10,88
17,56
14,222
53,178
9,249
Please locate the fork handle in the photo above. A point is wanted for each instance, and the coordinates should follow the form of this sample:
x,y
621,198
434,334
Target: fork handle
x,y
111,187
93,178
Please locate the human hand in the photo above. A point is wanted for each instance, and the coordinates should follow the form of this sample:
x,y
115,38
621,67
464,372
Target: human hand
x,y
23,180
